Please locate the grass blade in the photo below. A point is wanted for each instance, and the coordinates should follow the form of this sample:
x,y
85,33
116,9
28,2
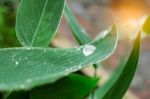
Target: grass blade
x,y
117,85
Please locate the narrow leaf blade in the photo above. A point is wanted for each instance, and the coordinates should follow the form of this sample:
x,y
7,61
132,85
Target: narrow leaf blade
x,y
146,25
77,30
117,85
37,22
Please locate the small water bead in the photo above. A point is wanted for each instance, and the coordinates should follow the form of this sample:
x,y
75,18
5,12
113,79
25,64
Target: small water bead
x,y
79,67
29,81
67,70
82,30
79,49
16,62
22,86
104,33
88,50
45,63
28,48
66,74
45,50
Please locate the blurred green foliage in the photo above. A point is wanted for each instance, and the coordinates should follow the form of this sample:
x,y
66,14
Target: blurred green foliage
x,y
7,24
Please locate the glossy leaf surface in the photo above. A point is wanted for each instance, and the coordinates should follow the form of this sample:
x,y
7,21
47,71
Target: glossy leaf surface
x,y
27,67
37,21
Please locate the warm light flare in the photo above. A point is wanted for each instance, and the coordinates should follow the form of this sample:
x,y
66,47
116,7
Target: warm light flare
x,y
129,19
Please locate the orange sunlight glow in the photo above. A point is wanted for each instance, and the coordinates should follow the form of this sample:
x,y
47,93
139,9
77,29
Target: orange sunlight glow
x,y
129,18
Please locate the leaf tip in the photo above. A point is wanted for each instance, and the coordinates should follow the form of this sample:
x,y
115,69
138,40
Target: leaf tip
x,y
145,24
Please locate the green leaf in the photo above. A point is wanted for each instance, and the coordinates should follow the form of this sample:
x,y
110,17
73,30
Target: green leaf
x,y
37,21
66,88
146,25
1,96
19,95
27,67
77,30
74,86
117,85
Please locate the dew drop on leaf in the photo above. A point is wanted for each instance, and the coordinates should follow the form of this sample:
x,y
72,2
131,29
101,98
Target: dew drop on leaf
x,y
103,34
26,57
22,86
28,48
29,81
16,62
78,49
44,63
45,50
88,50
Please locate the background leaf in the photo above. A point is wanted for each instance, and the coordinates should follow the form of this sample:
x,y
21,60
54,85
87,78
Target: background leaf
x,y
19,95
74,86
37,21
117,85
79,33
7,30
24,68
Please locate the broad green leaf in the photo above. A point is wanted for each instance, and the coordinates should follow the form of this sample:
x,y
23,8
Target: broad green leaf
x,y
74,86
77,30
27,67
146,25
117,85
37,21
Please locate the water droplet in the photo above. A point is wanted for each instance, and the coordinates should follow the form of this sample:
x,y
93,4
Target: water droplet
x,y
16,62
104,33
78,49
88,50
22,86
82,30
26,58
66,74
28,48
45,50
79,67
29,81
67,70
45,63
